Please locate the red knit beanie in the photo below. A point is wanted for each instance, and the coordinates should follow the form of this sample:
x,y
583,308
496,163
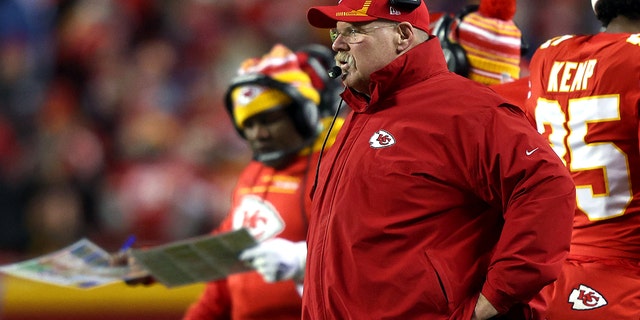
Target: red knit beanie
x,y
492,42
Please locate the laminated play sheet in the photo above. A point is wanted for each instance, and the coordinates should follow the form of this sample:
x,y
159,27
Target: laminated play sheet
x,y
196,260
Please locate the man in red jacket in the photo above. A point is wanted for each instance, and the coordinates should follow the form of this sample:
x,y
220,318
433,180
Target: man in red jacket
x,y
274,104
438,199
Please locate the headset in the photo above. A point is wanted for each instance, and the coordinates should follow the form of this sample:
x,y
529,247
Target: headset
x,y
454,53
320,59
302,110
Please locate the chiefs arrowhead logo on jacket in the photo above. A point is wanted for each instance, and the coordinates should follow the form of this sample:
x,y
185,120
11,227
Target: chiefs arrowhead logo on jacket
x,y
381,139
585,298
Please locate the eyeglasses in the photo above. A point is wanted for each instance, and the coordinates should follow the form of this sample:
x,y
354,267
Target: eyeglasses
x,y
352,35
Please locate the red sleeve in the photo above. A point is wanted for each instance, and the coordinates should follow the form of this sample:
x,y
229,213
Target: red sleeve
x,y
214,303
537,197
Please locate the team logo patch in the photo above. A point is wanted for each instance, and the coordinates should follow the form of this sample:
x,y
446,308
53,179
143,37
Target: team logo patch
x,y
585,298
381,139
248,94
260,217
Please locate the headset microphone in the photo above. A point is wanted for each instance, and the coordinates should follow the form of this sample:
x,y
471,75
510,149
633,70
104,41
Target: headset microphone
x,y
334,72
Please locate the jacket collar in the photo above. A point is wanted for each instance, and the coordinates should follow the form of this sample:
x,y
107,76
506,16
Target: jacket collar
x,y
416,65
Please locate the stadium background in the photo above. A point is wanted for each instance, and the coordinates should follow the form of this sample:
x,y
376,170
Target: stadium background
x,y
111,123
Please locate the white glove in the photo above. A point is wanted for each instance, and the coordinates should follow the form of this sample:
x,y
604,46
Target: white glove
x,y
278,259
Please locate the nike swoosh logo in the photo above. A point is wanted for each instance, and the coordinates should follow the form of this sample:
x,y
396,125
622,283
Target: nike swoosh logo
x,y
530,152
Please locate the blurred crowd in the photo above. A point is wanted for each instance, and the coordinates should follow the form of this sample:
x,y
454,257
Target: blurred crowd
x,y
111,114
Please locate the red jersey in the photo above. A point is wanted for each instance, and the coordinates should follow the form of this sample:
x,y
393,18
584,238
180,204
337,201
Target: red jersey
x,y
270,203
585,95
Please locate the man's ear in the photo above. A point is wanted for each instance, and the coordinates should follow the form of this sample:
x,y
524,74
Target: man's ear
x,y
406,36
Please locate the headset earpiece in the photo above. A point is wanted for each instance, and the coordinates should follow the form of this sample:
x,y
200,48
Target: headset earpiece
x,y
304,112
321,59
454,53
